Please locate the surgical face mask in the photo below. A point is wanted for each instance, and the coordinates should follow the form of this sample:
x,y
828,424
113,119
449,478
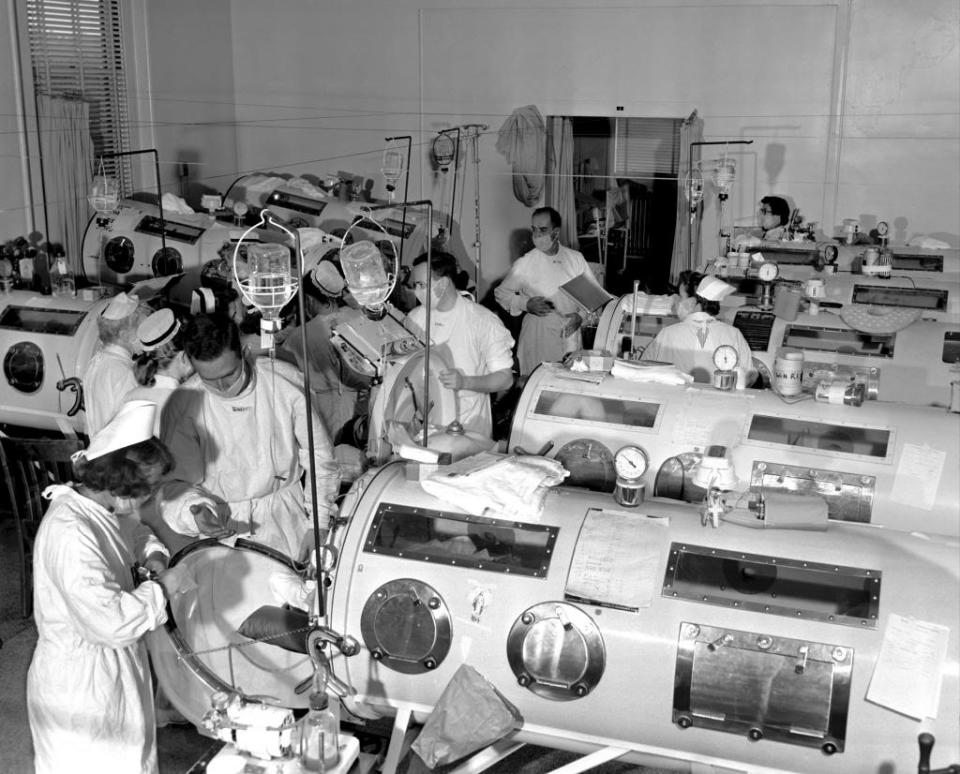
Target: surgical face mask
x,y
235,387
544,242
124,506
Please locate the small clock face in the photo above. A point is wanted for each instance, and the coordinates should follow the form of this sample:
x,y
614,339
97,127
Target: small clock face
x,y
768,271
725,357
883,228
630,462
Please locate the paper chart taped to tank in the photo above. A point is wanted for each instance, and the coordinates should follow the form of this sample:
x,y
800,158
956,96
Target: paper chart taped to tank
x,y
909,671
616,562
918,476
728,415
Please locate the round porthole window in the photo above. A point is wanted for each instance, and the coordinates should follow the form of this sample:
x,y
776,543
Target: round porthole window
x,y
23,367
406,626
118,254
555,650
166,262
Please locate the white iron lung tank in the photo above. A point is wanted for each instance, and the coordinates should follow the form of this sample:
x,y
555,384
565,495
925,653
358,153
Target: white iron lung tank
x,y
753,649
886,464
44,343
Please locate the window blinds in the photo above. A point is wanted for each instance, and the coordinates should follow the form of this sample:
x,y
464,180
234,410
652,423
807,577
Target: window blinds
x,y
644,147
76,50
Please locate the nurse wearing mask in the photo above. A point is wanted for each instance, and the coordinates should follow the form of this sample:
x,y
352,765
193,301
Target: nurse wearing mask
x,y
551,327
690,344
468,336
89,696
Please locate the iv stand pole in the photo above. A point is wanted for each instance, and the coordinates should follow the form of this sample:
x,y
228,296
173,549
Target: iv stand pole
x,y
473,132
690,172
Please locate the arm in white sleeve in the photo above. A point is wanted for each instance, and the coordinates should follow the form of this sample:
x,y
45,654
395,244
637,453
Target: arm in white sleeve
x,y
327,471
512,294
102,611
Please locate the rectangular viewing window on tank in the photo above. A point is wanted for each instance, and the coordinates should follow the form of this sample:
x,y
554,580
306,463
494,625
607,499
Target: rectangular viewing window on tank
x,y
951,347
460,540
912,298
839,340
592,408
842,439
770,584
54,322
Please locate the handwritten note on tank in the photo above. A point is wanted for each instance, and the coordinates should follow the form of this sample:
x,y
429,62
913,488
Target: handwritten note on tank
x,y
918,476
909,670
617,561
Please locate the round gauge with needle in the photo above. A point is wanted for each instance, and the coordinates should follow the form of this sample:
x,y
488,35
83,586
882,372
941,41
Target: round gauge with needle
x,y
768,271
883,228
630,463
725,357
240,210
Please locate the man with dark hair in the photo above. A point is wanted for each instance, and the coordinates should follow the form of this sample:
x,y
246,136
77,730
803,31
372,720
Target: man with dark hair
x,y
774,223
471,339
237,430
551,327
690,343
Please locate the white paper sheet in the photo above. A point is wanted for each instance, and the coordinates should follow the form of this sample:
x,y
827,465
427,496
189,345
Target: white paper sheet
x,y
909,671
617,560
918,476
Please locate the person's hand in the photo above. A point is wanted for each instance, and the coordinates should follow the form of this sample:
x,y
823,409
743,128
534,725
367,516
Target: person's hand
x,y
156,562
540,306
212,519
453,379
574,321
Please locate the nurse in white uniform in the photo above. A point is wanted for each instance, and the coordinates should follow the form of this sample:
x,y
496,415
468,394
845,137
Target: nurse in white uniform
x,y
89,695
470,337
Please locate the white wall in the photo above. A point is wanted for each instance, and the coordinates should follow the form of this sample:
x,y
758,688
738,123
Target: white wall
x,y
852,106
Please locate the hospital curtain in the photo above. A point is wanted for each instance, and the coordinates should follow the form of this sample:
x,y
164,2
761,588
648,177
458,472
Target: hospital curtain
x,y
559,194
67,160
686,239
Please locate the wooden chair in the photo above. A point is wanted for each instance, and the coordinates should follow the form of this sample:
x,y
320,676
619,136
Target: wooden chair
x,y
30,466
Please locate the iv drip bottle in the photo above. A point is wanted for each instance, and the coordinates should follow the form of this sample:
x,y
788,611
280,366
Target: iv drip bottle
x,y
319,740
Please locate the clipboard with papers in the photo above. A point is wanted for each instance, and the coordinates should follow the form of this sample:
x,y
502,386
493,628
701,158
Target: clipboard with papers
x,y
589,295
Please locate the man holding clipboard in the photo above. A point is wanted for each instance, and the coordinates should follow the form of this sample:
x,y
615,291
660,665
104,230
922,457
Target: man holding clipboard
x,y
555,288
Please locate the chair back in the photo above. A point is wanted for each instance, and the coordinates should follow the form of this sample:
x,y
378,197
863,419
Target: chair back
x,y
29,466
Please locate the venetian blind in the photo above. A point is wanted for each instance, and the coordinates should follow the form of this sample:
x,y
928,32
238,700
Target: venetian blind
x,y
76,50
646,147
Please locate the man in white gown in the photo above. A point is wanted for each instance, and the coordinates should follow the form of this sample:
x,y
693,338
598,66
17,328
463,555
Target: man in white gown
x,y
551,327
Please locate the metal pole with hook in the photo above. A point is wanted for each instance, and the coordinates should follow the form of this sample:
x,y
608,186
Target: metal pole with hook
x,y
690,172
473,132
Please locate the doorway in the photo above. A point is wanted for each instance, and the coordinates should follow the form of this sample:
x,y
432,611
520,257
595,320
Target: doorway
x,y
625,189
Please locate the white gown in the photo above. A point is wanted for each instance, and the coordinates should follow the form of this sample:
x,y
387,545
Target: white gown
x,y
252,451
106,381
89,695
690,345
539,274
471,338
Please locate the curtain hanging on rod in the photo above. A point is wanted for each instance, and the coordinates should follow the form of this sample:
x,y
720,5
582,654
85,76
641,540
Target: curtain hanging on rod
x,y
66,159
559,193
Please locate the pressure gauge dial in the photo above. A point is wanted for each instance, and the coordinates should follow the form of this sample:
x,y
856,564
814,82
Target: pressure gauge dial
x,y
631,463
726,357
883,228
768,271
240,210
